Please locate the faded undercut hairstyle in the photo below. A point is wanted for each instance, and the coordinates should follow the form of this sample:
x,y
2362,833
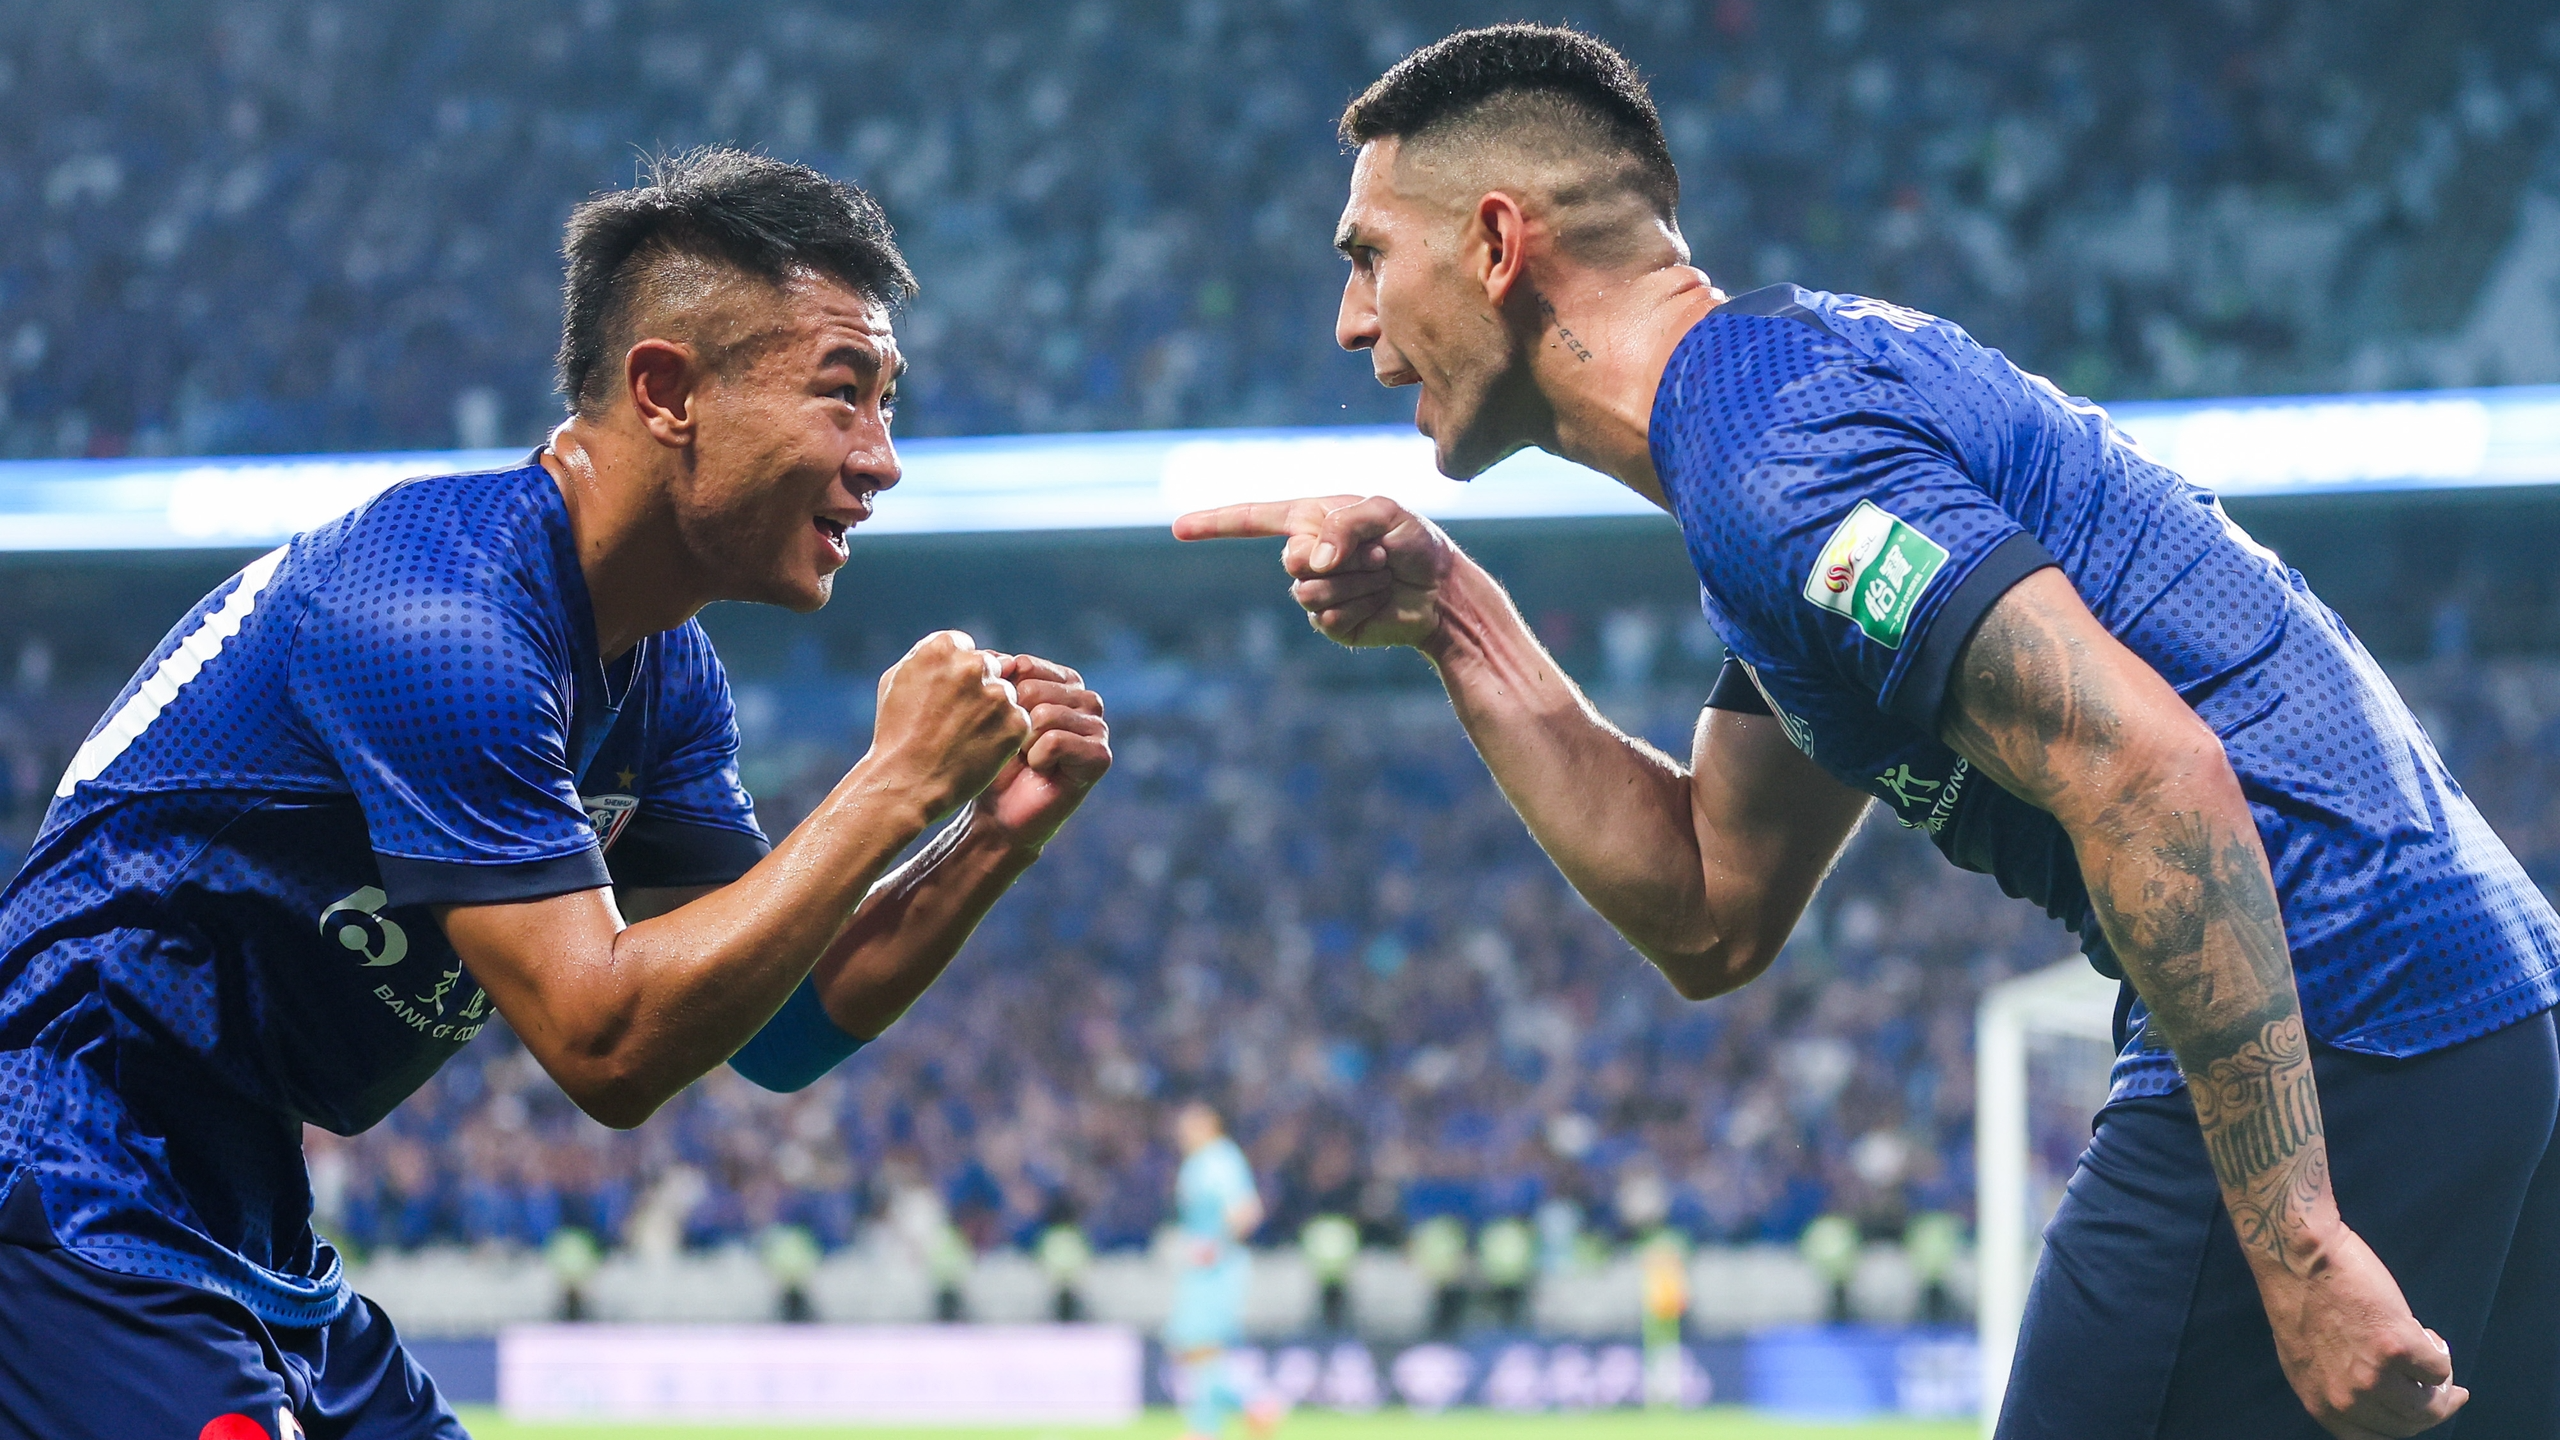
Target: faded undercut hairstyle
x,y
1555,88
762,217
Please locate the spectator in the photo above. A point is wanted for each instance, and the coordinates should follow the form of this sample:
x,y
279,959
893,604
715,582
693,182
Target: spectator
x,y
243,227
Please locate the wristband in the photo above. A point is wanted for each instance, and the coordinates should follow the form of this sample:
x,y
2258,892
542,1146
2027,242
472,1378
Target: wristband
x,y
796,1046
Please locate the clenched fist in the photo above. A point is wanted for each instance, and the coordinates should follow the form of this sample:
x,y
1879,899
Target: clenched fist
x,y
948,721
1069,750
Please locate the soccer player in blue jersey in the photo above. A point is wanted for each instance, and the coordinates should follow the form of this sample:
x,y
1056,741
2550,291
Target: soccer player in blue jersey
x,y
2324,1192
465,754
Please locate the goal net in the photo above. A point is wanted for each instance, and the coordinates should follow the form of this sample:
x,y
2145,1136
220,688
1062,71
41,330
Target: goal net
x,y
2042,1046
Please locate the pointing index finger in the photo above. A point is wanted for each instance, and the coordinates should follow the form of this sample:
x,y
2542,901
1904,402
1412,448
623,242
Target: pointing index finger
x,y
1258,519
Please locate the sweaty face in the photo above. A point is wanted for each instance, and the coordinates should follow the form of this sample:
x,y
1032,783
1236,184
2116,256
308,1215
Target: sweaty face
x,y
793,443
1425,319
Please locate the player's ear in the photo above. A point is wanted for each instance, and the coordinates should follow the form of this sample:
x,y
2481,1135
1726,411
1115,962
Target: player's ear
x,y
1496,244
661,376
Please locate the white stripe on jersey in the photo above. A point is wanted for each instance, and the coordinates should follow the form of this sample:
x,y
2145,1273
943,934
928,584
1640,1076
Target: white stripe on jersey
x,y
182,665
1859,307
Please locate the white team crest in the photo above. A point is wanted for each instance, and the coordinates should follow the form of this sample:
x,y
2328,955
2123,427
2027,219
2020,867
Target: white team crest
x,y
608,814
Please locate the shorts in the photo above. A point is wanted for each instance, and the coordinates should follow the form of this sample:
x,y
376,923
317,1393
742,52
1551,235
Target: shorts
x,y
90,1354
2144,1323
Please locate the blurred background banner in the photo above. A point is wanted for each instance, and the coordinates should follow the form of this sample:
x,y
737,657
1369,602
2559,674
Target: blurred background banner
x,y
876,1374
1052,1374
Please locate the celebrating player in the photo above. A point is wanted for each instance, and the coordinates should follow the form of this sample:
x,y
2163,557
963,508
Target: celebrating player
x,y
465,752
1949,588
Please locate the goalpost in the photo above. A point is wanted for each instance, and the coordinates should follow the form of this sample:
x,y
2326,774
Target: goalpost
x,y
2042,1046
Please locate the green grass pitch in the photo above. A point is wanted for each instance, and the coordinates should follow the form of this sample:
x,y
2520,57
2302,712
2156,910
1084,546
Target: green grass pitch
x,y
1720,1423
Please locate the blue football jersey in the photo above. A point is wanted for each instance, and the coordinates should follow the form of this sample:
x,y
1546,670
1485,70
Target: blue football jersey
x,y
1858,483
222,933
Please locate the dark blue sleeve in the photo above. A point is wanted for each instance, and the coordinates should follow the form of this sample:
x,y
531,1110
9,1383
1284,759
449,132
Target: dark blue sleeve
x,y
439,688
696,824
796,1046
1825,508
1734,691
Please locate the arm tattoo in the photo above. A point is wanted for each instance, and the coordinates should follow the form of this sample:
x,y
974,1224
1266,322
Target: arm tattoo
x,y
2184,897
2260,1112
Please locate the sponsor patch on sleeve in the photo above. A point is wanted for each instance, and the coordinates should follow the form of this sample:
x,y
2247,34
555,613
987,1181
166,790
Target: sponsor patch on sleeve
x,y
1874,569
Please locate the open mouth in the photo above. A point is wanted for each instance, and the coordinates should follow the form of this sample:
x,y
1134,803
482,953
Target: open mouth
x,y
833,531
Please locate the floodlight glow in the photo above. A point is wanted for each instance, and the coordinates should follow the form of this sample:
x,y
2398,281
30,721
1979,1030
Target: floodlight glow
x,y
2272,446
1142,479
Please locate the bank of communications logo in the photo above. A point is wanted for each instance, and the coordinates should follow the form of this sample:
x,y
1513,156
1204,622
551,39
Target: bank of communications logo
x,y
356,923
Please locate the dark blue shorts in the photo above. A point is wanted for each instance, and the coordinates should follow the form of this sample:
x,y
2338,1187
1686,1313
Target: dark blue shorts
x,y
2143,1322
88,1354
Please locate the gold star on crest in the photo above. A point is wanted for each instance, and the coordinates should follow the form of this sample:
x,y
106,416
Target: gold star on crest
x,y
626,777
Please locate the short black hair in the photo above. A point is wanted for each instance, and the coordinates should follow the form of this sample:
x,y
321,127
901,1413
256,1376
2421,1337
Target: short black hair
x,y
1442,86
763,216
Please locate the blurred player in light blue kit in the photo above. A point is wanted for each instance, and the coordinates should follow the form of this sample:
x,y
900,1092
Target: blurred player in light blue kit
x,y
1216,1208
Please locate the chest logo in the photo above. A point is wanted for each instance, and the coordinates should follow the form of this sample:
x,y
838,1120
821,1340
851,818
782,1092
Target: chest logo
x,y
356,922
1874,569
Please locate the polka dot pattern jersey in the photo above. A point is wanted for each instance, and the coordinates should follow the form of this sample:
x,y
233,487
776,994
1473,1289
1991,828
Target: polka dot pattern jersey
x,y
1858,483
221,933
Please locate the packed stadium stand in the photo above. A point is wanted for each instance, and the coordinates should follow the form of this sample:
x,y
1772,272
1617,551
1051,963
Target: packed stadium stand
x,y
1299,896
277,227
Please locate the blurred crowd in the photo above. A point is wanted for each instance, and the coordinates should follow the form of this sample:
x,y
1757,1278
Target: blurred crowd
x,y
1313,909
1300,897
280,225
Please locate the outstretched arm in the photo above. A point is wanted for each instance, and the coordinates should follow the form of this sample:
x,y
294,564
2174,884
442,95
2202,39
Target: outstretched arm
x,y
1704,868
2049,705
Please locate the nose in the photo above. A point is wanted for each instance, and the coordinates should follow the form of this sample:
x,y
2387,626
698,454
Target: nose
x,y
1355,326
872,466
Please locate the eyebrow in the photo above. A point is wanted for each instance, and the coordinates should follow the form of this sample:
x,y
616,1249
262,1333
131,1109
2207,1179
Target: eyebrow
x,y
1346,239
862,360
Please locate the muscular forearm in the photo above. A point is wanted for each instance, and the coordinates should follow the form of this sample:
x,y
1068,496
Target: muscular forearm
x,y
2058,712
1612,812
2187,903
912,923
625,1026
2180,884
